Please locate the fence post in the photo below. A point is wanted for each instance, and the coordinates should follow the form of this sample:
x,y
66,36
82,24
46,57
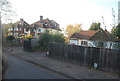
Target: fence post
x,y
118,63
85,54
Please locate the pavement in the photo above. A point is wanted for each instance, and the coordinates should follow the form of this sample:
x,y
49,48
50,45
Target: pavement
x,y
73,71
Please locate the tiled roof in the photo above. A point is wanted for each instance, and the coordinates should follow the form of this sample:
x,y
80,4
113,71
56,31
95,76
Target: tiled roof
x,y
101,35
84,34
110,35
18,24
87,33
46,23
75,35
37,24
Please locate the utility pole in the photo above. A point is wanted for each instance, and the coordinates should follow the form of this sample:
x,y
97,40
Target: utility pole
x,y
0,25
0,45
1,31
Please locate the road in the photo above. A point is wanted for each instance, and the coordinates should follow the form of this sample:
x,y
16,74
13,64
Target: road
x,y
21,69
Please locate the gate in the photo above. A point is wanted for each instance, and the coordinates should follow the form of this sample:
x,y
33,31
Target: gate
x,y
27,45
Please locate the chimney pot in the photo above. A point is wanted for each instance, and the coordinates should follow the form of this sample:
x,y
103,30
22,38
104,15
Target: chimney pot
x,y
41,17
21,19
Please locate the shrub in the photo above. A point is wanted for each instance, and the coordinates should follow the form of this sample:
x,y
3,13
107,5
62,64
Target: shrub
x,y
47,38
10,38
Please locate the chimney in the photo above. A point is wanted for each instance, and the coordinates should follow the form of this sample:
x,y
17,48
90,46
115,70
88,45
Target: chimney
x,y
21,20
41,18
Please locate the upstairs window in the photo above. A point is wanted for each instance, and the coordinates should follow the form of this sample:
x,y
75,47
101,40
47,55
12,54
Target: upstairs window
x,y
27,29
15,29
11,29
39,30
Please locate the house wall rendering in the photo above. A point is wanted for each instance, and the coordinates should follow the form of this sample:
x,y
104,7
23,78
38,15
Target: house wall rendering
x,y
74,41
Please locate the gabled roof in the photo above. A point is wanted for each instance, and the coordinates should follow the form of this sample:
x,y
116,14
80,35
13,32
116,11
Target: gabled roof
x,y
84,34
21,23
37,24
101,35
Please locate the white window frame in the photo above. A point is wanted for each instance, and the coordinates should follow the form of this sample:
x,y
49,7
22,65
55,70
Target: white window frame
x,y
84,43
15,29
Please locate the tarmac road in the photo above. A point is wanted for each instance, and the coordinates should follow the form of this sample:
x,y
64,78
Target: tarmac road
x,y
21,69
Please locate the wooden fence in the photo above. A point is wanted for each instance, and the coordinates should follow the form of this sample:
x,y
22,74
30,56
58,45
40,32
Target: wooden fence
x,y
106,59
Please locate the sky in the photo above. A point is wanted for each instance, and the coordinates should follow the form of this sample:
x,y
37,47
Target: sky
x,y
66,12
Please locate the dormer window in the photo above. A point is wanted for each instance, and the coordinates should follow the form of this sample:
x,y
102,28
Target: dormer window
x,y
46,24
34,25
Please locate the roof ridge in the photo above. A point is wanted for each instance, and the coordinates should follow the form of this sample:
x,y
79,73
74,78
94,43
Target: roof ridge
x,y
94,33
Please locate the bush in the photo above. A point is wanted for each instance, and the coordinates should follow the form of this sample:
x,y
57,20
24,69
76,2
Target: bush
x,y
47,38
58,38
10,38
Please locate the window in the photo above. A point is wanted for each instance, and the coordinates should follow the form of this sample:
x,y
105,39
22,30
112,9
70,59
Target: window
x,y
46,24
15,34
39,30
27,29
84,43
42,29
73,42
11,29
20,29
9,33
15,29
32,30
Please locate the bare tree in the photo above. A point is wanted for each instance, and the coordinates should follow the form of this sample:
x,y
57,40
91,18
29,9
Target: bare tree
x,y
103,22
6,14
114,19
6,11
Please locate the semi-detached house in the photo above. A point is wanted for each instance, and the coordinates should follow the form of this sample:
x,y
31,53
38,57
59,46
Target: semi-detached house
x,y
18,29
43,25
22,28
